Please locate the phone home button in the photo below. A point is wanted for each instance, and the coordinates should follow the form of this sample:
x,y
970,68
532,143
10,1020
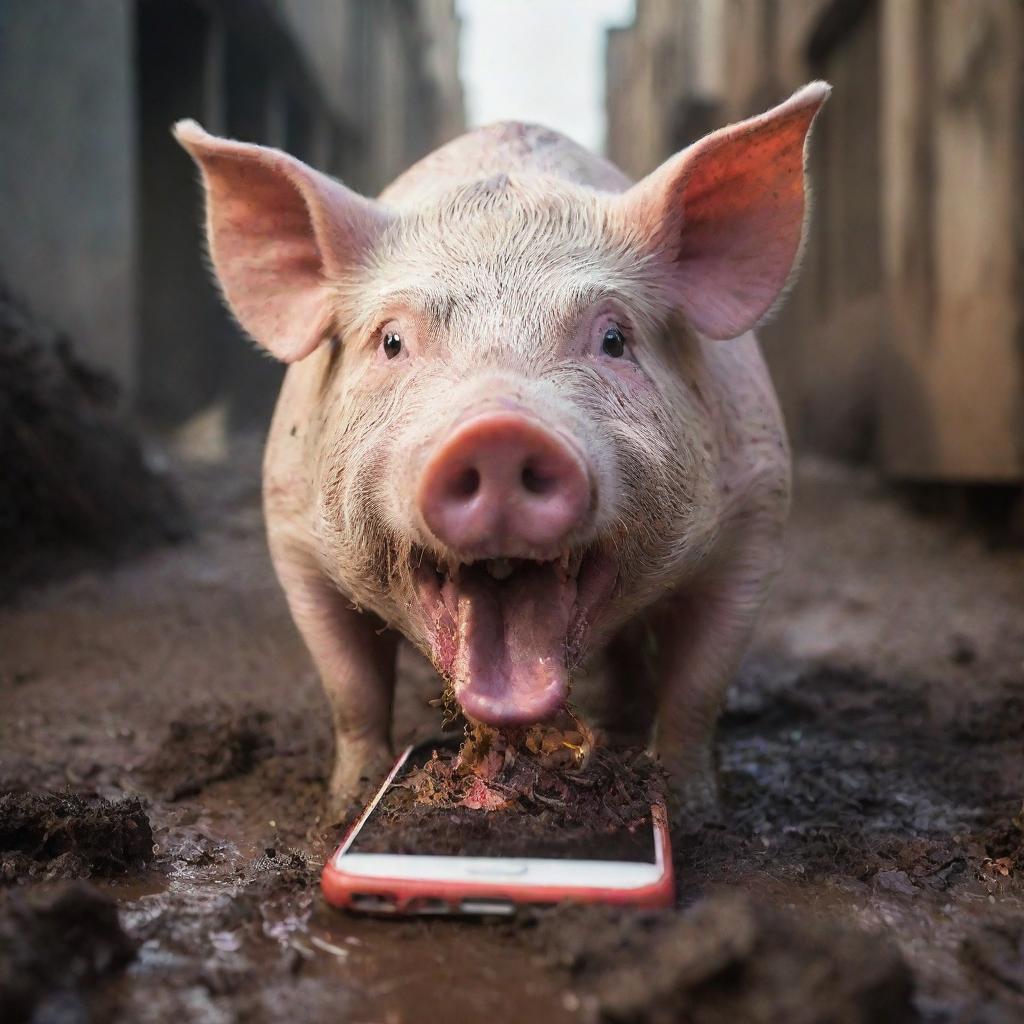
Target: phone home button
x,y
503,868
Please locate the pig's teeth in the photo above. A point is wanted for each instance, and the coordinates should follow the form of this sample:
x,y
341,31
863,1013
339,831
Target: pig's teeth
x,y
577,561
568,565
499,568
453,570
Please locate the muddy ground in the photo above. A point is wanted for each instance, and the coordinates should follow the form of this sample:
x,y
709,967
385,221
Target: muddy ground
x,y
867,865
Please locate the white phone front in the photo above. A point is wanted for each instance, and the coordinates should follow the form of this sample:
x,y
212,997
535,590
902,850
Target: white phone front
x,y
463,871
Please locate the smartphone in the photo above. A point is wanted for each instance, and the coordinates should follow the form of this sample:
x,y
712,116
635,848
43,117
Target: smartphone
x,y
426,877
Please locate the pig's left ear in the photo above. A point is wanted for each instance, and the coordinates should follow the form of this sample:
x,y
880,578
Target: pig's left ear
x,y
278,232
725,217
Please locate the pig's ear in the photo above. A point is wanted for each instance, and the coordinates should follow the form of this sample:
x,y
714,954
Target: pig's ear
x,y
726,216
278,231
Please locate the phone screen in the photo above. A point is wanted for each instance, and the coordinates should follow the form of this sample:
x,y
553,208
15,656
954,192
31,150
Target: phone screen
x,y
397,825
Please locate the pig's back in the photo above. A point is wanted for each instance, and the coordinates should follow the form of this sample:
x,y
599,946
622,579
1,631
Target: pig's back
x,y
508,147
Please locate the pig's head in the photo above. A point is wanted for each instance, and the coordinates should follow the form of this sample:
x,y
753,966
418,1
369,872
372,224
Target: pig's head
x,y
510,451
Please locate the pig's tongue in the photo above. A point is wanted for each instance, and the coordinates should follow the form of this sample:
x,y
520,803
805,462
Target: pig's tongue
x,y
509,664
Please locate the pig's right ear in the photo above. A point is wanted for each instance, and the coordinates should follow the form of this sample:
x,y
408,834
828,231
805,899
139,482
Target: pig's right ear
x,y
278,231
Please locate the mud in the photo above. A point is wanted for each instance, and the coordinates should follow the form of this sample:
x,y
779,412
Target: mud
x,y
68,835
207,744
76,488
728,959
994,957
871,766
55,946
907,805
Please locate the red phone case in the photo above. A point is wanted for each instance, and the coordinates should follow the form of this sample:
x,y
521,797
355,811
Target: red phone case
x,y
412,896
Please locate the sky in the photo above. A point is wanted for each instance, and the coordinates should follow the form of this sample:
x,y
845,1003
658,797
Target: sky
x,y
539,60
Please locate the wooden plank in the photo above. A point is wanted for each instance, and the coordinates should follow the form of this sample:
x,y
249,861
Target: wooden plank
x,y
823,348
840,336
952,386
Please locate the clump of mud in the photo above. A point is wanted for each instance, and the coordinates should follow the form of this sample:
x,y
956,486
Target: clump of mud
x,y
539,791
725,960
55,945
994,956
209,743
74,481
66,835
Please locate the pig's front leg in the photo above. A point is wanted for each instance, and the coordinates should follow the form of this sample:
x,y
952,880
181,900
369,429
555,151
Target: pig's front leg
x,y
355,658
701,637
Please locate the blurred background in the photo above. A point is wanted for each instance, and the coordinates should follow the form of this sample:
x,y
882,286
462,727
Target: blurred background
x,y
902,347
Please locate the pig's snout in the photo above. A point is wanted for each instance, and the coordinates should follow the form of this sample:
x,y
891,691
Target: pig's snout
x,y
502,485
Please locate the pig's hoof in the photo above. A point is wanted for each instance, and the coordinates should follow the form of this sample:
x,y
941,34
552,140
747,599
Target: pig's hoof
x,y
695,798
353,781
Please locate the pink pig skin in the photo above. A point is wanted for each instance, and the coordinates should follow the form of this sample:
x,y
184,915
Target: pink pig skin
x,y
526,420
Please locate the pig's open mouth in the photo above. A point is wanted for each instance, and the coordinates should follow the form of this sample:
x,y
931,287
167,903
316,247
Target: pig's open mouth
x,y
505,631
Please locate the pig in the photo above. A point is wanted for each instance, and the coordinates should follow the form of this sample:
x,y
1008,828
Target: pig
x,y
525,420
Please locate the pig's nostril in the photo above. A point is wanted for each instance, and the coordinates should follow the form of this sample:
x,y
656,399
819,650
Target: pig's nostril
x,y
467,483
536,482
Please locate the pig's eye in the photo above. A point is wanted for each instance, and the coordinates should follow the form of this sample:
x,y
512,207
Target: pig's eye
x,y
392,344
613,343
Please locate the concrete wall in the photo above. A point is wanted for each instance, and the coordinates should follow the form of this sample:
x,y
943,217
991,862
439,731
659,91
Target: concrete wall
x,y
403,81
652,91
67,170
101,210
323,31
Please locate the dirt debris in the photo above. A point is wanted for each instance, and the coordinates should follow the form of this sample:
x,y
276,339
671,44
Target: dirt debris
x,y
727,959
208,743
55,945
70,835
566,770
544,791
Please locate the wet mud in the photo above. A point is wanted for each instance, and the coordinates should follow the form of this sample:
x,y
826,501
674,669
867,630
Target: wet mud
x,y
56,945
727,959
866,863
207,744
